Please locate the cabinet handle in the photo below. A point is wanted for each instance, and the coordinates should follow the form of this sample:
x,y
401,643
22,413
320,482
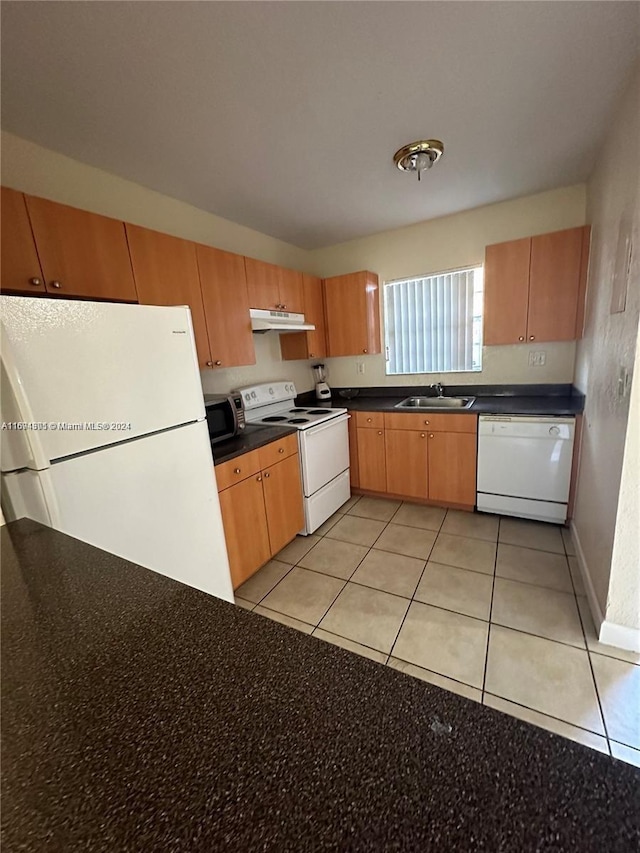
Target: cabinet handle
x,y
281,450
532,337
521,338
421,435
369,420
284,307
379,432
259,478
237,470
36,282
311,355
426,423
364,351
430,435
209,364
218,363
56,284
266,475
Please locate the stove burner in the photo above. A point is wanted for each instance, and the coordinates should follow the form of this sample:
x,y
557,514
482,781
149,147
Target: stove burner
x,y
273,419
293,411
298,420
319,411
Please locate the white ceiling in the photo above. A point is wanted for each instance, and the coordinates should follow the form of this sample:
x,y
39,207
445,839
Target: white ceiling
x,y
285,116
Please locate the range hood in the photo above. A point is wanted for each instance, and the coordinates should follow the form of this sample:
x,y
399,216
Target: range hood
x,y
278,321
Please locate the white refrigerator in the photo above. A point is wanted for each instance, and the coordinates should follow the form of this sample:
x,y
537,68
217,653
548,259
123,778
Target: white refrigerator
x,y
104,435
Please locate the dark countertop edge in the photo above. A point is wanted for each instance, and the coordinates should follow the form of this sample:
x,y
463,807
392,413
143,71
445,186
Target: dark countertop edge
x,y
401,391
251,439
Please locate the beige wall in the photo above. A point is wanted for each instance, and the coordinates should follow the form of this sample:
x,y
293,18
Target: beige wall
x,y
610,343
447,243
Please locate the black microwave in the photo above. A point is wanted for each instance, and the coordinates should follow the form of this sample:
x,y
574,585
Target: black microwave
x,y
225,415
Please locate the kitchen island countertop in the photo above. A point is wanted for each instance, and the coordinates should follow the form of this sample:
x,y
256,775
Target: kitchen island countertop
x,y
140,714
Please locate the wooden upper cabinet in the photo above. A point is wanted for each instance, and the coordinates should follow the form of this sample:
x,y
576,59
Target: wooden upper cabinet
x,y
291,290
352,314
166,272
81,253
19,264
308,344
263,284
226,307
506,292
534,288
554,285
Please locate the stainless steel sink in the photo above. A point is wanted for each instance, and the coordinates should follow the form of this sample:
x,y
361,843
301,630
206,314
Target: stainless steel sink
x,y
430,403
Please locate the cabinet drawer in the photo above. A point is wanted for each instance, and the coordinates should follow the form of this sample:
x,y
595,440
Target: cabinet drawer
x,y
278,450
435,422
374,420
238,469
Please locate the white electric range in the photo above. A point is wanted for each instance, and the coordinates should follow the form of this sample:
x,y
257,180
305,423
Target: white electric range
x,y
323,444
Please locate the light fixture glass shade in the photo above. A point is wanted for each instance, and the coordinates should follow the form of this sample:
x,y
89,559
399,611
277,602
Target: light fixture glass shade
x,y
419,155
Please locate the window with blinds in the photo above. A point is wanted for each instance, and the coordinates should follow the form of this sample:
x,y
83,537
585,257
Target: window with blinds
x,y
433,324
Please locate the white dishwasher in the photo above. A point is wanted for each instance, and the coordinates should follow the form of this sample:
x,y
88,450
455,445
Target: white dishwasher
x,y
524,466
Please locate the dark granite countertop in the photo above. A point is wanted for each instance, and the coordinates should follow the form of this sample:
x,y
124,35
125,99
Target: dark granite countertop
x,y
252,437
142,715
560,400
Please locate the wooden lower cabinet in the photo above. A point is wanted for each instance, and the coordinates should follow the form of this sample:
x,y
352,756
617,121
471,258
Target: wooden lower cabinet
x,y
245,528
283,502
407,467
261,514
435,464
372,468
452,468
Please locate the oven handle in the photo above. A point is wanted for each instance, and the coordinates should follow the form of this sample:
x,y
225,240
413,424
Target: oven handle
x,y
327,425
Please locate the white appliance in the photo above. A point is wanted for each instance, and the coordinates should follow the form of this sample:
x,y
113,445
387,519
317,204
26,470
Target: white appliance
x,y
278,321
323,392
323,445
111,443
524,466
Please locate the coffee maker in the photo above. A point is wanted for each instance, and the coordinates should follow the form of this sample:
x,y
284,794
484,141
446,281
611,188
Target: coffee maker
x,y
323,392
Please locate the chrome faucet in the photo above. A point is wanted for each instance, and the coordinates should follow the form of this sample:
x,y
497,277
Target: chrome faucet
x,y
439,389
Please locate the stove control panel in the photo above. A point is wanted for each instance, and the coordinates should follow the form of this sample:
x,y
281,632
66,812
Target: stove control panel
x,y
269,392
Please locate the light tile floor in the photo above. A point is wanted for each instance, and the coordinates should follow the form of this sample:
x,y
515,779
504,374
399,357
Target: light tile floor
x,y
490,608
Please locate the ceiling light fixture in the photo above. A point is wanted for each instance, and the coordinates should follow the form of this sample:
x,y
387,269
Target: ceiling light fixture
x,y
419,156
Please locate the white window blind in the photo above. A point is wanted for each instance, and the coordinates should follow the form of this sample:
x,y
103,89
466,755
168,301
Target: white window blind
x,y
434,323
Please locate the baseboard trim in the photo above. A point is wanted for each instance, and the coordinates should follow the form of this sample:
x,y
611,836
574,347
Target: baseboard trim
x,y
620,636
609,633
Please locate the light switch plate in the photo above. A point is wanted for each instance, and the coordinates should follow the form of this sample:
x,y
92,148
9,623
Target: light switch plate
x,y
537,358
360,368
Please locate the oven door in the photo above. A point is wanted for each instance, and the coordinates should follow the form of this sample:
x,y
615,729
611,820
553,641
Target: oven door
x,y
324,453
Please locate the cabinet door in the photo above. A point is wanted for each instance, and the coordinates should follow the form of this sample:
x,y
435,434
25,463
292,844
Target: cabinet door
x,y
554,285
372,469
81,253
353,314
166,272
283,502
263,284
291,290
308,344
226,307
245,528
506,292
452,468
19,265
353,453
406,460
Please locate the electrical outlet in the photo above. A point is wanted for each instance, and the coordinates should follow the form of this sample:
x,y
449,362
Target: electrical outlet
x,y
537,358
624,382
360,368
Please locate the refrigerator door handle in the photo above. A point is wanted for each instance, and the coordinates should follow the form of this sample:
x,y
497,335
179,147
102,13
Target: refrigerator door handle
x,y
37,457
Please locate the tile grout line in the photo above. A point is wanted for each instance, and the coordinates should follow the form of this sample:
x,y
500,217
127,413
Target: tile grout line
x,y
412,599
493,589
